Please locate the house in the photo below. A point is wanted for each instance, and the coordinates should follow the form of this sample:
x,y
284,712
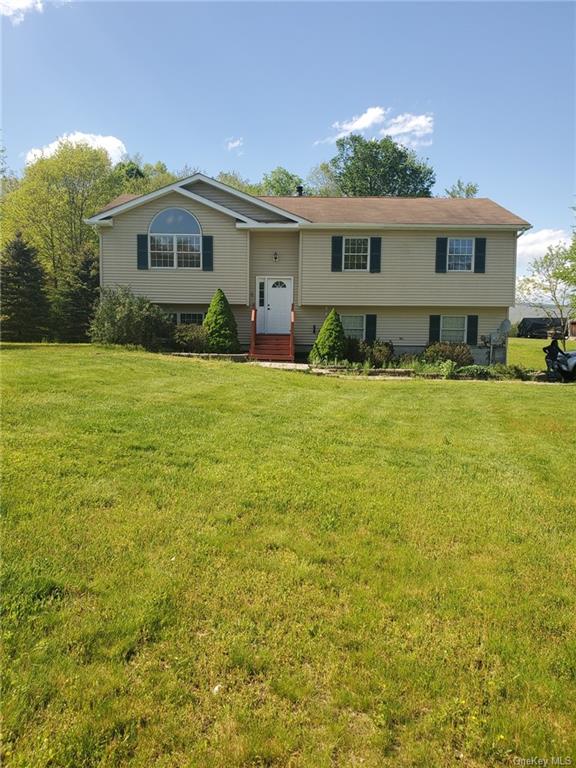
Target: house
x,y
409,270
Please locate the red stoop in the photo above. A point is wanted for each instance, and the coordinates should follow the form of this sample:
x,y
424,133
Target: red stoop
x,y
272,346
277,347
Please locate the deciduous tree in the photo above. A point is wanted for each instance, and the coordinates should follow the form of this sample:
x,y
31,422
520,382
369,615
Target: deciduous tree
x,y
52,201
235,180
462,189
322,181
280,182
549,286
380,167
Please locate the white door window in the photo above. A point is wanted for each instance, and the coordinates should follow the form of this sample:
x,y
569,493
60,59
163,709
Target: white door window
x,y
274,304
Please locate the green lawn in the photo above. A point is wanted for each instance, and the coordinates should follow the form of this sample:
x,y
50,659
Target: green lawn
x,y
528,352
218,565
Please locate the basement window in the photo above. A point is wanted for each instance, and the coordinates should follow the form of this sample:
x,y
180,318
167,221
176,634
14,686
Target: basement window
x,y
453,328
354,326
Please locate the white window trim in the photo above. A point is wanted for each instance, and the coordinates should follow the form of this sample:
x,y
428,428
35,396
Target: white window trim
x,y
180,234
348,269
461,271
357,315
464,340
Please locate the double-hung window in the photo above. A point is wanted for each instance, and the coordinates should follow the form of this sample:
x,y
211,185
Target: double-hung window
x,y
356,250
453,328
175,240
354,326
460,254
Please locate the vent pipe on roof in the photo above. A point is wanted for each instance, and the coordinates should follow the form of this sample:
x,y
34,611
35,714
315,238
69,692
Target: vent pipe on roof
x,y
299,190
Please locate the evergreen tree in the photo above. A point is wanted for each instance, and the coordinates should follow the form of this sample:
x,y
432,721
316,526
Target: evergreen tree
x,y
330,344
76,301
25,309
220,325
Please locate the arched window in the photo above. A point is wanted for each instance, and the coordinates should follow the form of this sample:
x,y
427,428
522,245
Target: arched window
x,y
279,284
175,239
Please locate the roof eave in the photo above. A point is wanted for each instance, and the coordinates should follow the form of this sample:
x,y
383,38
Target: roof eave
x,y
439,226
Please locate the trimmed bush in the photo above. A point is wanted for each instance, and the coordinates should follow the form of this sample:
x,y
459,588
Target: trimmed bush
x,y
220,325
122,318
191,338
330,344
441,351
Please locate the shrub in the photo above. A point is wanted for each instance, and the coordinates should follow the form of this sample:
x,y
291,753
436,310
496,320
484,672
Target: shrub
x,y
448,369
443,350
476,372
191,338
510,371
330,344
220,325
377,353
353,350
122,318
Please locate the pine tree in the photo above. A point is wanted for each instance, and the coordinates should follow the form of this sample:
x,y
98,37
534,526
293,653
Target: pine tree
x,y
25,308
220,325
76,300
330,344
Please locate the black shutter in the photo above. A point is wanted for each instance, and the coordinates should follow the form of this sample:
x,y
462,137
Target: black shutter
x,y
336,254
441,252
207,253
472,330
480,255
142,251
375,250
434,332
370,334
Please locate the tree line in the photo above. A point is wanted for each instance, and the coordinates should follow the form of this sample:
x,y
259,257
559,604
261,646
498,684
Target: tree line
x,y
49,259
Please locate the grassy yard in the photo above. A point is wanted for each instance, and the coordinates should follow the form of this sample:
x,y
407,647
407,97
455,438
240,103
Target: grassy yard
x,y
528,352
212,565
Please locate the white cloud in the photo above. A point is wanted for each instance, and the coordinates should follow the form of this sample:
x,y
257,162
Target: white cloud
x,y
115,147
17,9
232,143
408,129
357,124
411,130
532,245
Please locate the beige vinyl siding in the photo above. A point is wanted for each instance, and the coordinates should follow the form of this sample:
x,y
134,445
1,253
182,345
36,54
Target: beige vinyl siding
x,y
408,276
176,286
405,326
229,200
263,245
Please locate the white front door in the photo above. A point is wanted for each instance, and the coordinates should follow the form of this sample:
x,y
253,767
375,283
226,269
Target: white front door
x,y
274,304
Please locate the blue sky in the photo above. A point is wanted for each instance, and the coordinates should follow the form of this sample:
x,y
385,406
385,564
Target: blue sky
x,y
484,90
